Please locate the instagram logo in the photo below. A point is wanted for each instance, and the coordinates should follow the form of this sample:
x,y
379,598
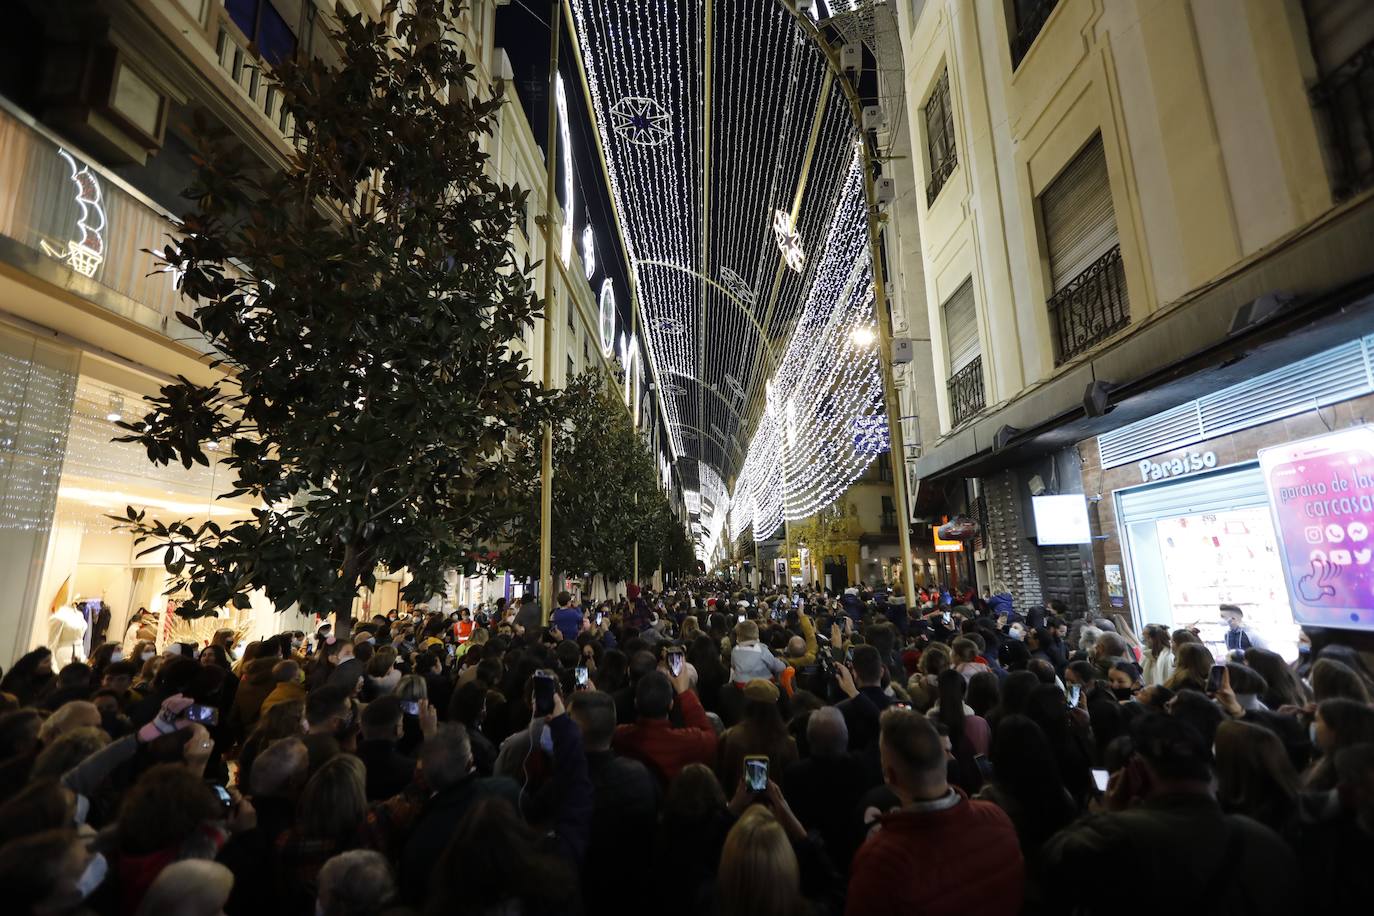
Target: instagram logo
x,y
1314,534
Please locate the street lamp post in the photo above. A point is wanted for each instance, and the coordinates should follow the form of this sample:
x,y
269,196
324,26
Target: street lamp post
x,y
546,464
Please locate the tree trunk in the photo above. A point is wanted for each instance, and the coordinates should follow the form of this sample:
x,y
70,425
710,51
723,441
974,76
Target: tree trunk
x,y
348,572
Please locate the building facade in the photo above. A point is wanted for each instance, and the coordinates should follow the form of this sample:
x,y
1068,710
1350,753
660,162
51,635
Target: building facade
x,y
97,102
1125,207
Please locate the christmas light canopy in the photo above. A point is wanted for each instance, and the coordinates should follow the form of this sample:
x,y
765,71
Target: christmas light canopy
x,y
740,199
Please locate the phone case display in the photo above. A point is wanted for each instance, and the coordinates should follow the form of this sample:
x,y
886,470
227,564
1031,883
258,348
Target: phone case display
x,y
1226,557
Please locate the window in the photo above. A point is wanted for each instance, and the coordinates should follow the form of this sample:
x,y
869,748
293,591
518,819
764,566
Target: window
x,y
889,520
586,354
572,369
966,396
261,23
1089,302
1028,18
571,327
885,467
939,137
1341,34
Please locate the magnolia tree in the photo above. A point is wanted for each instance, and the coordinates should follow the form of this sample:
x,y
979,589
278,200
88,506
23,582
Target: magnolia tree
x,y
606,496
362,302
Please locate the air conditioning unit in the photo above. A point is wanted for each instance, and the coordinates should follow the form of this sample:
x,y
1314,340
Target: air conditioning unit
x,y
872,118
808,7
885,191
852,57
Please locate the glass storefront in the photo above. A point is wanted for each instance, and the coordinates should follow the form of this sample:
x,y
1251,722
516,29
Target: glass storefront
x,y
79,579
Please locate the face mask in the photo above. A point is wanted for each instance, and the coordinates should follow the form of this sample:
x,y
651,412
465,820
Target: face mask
x,y
1303,648
83,809
1312,732
1121,693
295,643
147,655
92,877
116,657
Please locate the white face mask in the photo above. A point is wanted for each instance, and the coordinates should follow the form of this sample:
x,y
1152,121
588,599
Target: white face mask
x,y
147,654
83,810
116,657
93,876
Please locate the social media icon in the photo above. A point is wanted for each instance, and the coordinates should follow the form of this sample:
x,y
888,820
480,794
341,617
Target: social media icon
x,y
1317,556
1335,533
1363,556
1340,557
1358,531
1314,535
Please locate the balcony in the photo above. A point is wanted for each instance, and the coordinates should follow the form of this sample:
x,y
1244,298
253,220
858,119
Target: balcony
x,y
966,396
66,220
1091,308
1344,101
1030,19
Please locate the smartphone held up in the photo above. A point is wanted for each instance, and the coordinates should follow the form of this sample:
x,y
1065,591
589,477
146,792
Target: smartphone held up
x,y
756,773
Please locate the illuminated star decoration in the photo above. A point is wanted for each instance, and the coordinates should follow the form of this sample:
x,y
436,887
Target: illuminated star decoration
x,y
640,121
86,255
667,326
737,286
588,251
789,242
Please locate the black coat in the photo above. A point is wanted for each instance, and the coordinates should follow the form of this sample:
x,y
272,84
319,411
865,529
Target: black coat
x,y
625,805
437,824
388,770
824,794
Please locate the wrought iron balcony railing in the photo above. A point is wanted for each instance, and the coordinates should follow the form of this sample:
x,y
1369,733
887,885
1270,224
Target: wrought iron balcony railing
x,y
1344,100
966,396
1093,307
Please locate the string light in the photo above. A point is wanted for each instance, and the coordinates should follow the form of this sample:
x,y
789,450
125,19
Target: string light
x,y
87,254
713,309
606,317
588,252
569,208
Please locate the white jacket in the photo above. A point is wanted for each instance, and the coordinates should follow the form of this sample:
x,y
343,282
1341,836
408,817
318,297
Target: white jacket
x,y
751,660
1157,669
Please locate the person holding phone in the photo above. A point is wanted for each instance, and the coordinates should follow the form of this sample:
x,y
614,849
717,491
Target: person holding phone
x,y
654,741
761,732
1161,812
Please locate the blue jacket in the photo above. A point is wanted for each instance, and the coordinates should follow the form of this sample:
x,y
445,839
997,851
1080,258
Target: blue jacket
x,y
569,621
1001,604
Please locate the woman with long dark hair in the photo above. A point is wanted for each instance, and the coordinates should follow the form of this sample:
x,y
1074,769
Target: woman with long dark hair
x,y
968,734
30,677
1069,738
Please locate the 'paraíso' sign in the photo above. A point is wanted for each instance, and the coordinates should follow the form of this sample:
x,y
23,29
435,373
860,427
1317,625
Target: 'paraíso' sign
x,y
1180,466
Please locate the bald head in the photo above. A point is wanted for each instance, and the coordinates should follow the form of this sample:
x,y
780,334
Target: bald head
x,y
826,732
796,647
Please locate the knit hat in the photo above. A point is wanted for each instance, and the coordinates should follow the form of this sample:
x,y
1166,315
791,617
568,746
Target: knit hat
x,y
761,691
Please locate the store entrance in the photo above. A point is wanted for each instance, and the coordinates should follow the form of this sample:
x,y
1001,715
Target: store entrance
x,y
1194,544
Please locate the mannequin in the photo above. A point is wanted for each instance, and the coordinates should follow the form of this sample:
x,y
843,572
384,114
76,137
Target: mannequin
x,y
66,635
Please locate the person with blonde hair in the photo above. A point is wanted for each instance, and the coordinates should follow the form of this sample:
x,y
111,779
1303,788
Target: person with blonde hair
x,y
759,874
1193,663
191,887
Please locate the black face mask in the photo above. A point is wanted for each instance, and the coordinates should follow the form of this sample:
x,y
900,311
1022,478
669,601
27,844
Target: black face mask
x,y
1122,693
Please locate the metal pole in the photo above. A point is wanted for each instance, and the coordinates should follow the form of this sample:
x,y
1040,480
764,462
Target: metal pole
x,y
550,199
875,247
890,396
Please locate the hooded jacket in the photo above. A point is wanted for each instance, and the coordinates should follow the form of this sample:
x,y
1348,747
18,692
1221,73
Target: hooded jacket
x,y
257,683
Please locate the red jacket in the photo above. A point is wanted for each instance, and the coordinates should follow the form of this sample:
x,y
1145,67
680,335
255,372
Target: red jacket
x,y
665,750
962,861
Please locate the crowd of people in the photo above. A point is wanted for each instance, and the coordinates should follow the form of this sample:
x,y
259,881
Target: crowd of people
x,y
707,749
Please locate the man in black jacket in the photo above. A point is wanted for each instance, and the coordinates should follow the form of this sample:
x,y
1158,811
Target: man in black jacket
x,y
445,767
625,804
824,789
388,770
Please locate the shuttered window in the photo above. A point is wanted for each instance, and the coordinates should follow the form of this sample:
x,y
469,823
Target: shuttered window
x,y
961,328
1080,225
